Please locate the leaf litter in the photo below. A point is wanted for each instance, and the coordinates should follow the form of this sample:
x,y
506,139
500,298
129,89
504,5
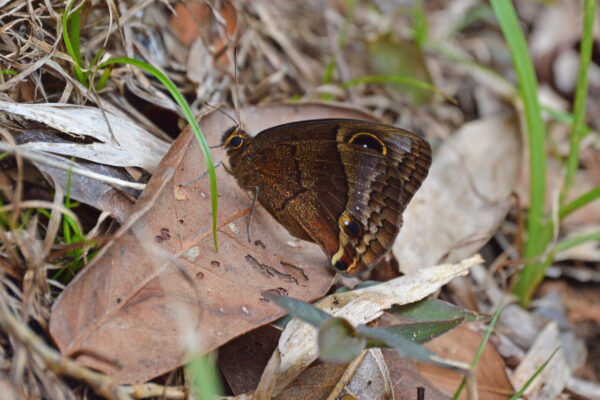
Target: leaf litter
x,y
282,52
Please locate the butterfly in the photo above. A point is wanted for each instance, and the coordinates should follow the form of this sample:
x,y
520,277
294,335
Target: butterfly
x,y
340,183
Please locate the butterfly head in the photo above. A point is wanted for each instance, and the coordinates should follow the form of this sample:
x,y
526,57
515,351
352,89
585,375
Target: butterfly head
x,y
235,140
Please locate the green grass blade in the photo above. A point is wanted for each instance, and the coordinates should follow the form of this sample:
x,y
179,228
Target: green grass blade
x,y
480,349
328,78
536,132
75,38
205,382
585,56
420,27
579,202
530,380
185,108
400,79
75,55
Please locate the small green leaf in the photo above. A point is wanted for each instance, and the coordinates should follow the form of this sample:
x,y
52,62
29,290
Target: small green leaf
x,y
407,348
300,309
395,57
422,332
435,310
338,341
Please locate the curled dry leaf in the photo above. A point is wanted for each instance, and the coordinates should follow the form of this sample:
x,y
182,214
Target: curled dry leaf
x,y
465,197
131,145
125,314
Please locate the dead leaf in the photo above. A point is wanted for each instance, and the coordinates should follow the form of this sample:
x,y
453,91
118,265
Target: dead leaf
x,y
315,383
131,145
101,195
124,313
461,344
243,360
406,378
192,20
465,196
366,377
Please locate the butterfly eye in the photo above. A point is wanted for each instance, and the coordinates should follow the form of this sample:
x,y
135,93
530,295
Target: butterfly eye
x,y
369,141
235,142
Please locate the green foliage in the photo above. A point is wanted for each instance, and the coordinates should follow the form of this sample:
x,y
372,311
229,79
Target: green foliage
x,y
71,38
203,376
187,112
480,349
540,227
340,341
530,380
435,310
72,43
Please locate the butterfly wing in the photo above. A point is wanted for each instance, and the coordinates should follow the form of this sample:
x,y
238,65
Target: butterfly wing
x,y
340,183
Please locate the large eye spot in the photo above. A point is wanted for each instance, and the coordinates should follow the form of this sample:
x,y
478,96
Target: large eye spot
x,y
369,141
352,228
341,265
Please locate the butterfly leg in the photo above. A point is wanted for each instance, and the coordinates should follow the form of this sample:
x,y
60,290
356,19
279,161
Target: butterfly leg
x,y
204,174
252,212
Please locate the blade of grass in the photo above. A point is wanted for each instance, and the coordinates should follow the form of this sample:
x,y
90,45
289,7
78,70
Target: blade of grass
x,y
579,202
420,27
579,106
530,380
396,79
205,382
480,349
536,132
187,112
532,274
69,45
562,246
328,78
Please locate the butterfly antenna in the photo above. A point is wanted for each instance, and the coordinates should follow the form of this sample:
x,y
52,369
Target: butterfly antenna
x,y
236,102
223,112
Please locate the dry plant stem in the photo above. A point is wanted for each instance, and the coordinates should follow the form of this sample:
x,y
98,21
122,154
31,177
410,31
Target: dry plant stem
x,y
347,376
267,382
102,384
16,198
146,390
471,387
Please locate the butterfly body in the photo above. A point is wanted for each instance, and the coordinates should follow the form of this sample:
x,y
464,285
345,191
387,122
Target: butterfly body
x,y
340,183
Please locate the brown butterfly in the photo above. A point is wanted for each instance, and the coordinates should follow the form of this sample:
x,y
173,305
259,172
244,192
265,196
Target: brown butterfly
x,y
340,183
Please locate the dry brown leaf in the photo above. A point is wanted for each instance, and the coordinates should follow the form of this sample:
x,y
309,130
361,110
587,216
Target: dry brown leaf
x,y
243,360
125,313
316,382
461,344
406,378
366,377
130,146
465,196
